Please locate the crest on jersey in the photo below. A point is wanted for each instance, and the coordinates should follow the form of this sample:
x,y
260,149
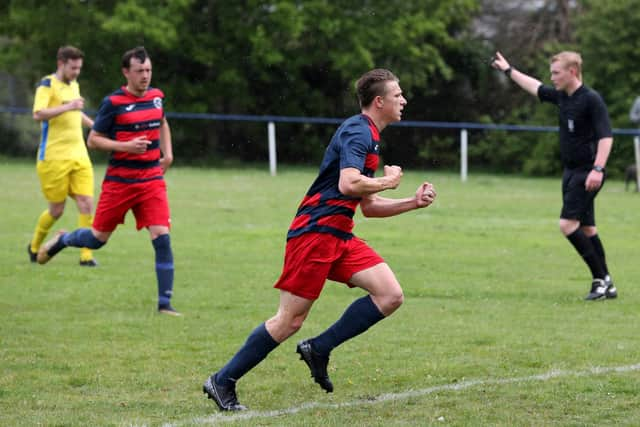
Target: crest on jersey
x,y
157,102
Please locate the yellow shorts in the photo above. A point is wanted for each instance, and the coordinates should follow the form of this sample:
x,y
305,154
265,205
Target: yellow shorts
x,y
62,178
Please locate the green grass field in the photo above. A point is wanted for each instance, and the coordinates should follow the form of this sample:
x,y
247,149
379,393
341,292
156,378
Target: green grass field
x,y
493,331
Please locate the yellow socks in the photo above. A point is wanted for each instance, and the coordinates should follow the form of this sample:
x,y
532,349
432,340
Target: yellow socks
x,y
84,221
45,222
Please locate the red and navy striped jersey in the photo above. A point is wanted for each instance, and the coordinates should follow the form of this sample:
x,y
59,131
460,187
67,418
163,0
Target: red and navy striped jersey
x,y
123,116
325,209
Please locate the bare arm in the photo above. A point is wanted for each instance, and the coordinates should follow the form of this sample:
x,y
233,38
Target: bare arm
x,y
355,184
594,179
87,121
49,113
375,206
165,145
526,82
100,141
604,149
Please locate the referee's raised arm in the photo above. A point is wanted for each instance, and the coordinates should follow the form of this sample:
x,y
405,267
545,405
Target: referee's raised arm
x,y
525,81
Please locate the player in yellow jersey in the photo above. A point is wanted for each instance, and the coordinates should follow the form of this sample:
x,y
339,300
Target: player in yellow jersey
x,y
64,166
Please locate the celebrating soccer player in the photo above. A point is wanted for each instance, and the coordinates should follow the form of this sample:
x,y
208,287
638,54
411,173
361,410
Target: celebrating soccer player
x,y
321,245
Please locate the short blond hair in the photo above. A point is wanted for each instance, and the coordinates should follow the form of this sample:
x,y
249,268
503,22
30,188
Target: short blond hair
x,y
569,59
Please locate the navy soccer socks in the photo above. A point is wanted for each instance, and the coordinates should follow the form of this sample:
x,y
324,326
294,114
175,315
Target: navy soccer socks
x,y
357,318
164,268
257,347
81,238
586,249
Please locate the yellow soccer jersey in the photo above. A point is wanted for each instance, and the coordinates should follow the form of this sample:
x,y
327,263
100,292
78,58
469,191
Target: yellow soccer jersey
x,y
61,137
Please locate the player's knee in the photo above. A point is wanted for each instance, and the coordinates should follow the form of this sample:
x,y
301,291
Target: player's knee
x,y
282,328
391,302
56,212
567,227
95,243
295,324
396,300
289,326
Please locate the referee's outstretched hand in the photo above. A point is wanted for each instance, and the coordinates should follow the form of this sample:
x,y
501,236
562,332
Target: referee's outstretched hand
x,y
499,63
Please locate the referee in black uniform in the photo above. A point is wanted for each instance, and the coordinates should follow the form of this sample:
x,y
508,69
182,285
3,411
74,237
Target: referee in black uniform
x,y
585,144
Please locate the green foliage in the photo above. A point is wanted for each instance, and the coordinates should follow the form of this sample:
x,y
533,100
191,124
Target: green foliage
x,y
301,58
147,21
253,57
11,142
609,34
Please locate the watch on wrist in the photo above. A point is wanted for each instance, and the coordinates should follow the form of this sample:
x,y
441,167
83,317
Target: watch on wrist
x,y
598,168
507,72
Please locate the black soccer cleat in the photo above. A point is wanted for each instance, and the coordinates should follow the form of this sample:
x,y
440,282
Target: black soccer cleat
x,y
89,263
33,256
611,291
598,290
224,396
168,309
316,363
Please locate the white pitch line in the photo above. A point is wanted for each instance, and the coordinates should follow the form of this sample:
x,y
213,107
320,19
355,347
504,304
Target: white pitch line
x,y
388,397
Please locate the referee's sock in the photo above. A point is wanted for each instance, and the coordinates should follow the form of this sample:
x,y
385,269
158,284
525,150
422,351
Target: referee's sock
x,y
587,251
597,245
357,318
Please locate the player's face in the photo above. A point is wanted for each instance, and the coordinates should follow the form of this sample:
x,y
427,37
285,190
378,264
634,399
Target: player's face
x,y
70,69
138,75
561,75
393,101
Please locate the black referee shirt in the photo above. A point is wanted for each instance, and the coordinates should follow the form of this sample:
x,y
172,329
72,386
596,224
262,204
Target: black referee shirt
x,y
583,121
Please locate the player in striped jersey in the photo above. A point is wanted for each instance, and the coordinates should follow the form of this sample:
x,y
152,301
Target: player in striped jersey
x,y
321,245
131,125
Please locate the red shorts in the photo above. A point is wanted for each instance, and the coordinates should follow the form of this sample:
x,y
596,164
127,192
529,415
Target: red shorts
x,y
147,200
312,258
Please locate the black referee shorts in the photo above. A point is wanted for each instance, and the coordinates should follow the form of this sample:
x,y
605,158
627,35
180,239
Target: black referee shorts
x,y
577,202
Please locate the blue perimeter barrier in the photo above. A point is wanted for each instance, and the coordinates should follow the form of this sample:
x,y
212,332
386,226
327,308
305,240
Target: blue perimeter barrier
x,y
271,120
329,120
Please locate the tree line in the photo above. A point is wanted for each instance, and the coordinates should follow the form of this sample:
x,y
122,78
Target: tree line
x,y
302,57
